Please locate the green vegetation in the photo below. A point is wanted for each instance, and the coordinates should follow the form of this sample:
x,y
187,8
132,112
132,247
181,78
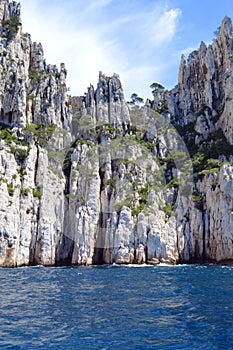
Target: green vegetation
x,y
205,156
19,148
206,159
66,167
111,182
135,99
188,134
8,136
56,172
156,87
82,141
192,55
198,200
37,75
214,184
37,193
10,189
11,27
41,132
86,170
145,144
24,191
218,144
22,172
143,195
139,209
168,209
169,161
131,201
118,206
70,196
173,183
20,154
56,156
209,171
31,97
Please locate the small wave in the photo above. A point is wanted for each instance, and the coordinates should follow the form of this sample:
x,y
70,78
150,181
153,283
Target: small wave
x,y
130,265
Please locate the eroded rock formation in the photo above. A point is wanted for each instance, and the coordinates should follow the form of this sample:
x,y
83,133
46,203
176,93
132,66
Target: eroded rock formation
x,y
88,180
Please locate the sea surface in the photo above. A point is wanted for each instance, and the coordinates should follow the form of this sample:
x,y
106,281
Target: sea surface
x,y
117,307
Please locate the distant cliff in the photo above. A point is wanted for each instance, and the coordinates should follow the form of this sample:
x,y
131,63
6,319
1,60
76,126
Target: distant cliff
x,y
93,180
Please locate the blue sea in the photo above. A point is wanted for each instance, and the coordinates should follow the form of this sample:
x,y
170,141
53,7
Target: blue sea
x,y
117,307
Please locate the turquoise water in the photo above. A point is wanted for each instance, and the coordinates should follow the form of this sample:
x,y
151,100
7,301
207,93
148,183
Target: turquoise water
x,y
161,307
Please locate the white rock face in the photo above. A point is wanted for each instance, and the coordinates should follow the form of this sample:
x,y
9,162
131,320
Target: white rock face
x,y
32,196
90,181
108,183
30,225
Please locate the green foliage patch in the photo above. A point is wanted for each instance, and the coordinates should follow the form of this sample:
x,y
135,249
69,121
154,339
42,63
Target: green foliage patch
x,y
24,191
198,200
206,159
8,136
11,27
41,132
37,193
168,209
10,189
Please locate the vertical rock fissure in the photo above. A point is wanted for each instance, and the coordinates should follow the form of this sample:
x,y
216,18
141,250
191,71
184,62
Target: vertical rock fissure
x,y
204,231
99,248
37,208
36,164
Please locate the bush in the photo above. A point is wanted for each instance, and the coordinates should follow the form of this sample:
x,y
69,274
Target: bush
x,y
24,191
40,132
37,193
7,135
127,203
35,74
20,154
168,209
11,27
207,156
139,209
10,189
111,182
173,183
198,200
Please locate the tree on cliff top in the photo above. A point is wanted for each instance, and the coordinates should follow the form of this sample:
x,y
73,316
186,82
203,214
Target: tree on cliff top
x,y
156,87
135,99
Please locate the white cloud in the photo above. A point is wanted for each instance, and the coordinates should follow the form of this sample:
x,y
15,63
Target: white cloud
x,y
107,35
97,4
164,29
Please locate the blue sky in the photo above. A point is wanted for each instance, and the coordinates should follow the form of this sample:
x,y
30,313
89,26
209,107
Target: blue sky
x,y
141,40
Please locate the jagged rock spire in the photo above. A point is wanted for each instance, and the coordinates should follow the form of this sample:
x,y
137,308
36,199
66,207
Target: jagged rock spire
x,y
226,27
9,9
107,103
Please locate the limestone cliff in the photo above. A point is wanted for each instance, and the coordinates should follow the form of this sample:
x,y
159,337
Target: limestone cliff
x,y
90,180
33,100
200,107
